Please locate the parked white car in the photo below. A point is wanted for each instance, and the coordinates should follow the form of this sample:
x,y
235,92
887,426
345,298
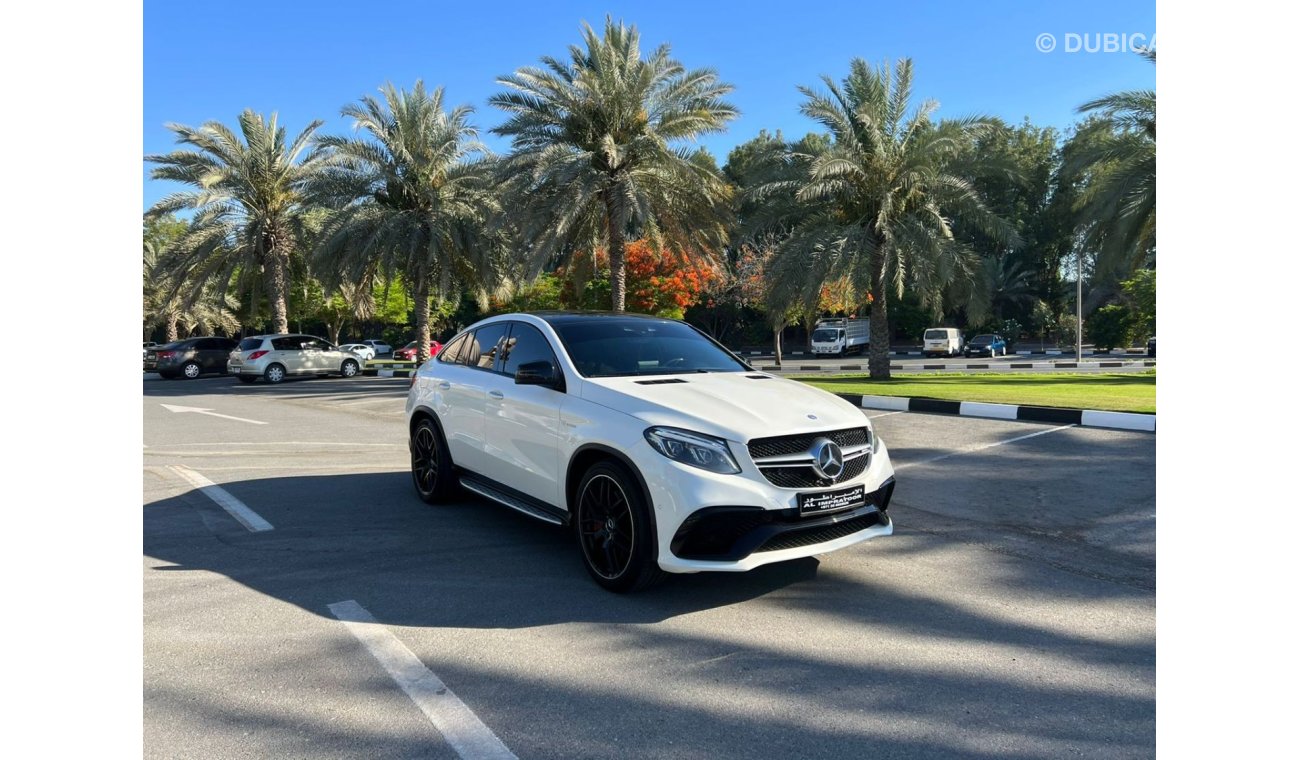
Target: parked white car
x,y
657,446
380,348
275,357
360,350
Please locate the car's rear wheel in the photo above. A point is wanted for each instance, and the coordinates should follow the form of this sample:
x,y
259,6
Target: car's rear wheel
x,y
191,370
246,378
431,467
614,529
349,369
274,373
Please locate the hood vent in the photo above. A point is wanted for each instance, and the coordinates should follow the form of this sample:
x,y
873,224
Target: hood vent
x,y
665,381
759,377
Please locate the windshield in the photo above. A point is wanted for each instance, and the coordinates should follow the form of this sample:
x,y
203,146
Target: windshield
x,y
935,334
825,336
982,339
623,346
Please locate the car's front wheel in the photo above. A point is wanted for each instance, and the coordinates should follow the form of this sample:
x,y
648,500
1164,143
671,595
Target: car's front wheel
x,y
349,368
614,529
431,467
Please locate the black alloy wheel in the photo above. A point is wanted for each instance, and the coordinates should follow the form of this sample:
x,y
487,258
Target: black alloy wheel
x,y
614,530
431,467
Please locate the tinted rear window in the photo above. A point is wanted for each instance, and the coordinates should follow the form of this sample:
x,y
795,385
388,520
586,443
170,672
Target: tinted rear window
x,y
250,344
936,334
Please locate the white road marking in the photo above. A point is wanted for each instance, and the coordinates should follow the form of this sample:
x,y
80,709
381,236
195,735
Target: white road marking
x,y
878,416
981,448
458,724
237,509
208,412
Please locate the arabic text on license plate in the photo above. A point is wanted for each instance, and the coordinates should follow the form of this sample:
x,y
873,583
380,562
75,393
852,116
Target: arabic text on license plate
x,y
831,501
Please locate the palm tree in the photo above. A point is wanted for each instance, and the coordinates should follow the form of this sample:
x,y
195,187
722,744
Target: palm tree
x,y
415,198
247,203
174,304
999,282
1114,156
878,203
594,161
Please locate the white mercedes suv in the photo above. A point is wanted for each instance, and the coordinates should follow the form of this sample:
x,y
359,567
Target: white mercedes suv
x,y
656,445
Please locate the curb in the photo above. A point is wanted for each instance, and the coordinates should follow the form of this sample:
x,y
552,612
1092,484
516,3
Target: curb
x,y
1081,417
992,367
387,372
1047,352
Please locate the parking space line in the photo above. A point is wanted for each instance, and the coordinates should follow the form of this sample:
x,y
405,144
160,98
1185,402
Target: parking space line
x,y
981,448
462,729
878,416
237,509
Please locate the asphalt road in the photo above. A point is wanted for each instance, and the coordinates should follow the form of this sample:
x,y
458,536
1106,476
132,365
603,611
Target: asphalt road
x,y
1012,614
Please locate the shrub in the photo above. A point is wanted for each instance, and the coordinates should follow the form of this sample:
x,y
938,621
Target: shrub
x,y
1111,326
1011,330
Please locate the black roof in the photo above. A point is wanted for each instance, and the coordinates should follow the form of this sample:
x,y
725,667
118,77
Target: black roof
x,y
563,317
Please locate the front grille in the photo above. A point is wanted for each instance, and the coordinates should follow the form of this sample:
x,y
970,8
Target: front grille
x,y
820,534
784,445
804,477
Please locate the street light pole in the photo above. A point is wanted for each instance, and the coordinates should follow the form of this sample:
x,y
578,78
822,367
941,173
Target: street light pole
x,y
1078,307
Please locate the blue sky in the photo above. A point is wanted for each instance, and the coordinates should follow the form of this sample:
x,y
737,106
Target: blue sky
x,y
306,60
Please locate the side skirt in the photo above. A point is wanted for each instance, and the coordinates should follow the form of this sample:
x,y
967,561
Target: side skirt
x,y
502,494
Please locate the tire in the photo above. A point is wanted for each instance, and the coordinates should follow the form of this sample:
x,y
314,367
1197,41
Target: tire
x,y
246,378
431,466
274,374
350,368
191,370
609,506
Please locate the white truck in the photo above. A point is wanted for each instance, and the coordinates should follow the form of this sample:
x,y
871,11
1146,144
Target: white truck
x,y
841,336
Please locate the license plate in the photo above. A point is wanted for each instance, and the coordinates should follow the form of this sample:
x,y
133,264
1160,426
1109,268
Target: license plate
x,y
832,501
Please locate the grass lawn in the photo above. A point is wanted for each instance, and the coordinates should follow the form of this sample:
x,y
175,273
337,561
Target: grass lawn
x,y
1126,392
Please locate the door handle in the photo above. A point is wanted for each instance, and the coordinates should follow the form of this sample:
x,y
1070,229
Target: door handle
x,y
496,394
444,385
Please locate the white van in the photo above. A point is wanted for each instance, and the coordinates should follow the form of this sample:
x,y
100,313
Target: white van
x,y
943,341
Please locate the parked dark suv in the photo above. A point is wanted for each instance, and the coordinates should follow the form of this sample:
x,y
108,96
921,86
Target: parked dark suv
x,y
190,358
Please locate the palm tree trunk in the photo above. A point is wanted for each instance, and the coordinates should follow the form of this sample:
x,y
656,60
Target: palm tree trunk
x,y
878,361
172,335
277,285
617,257
422,318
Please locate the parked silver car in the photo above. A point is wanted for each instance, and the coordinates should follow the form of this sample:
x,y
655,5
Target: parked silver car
x,y
275,357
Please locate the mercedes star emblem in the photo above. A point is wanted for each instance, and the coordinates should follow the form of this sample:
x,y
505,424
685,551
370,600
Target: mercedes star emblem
x,y
828,460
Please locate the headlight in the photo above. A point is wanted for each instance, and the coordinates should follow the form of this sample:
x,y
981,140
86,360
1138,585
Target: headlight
x,y
695,449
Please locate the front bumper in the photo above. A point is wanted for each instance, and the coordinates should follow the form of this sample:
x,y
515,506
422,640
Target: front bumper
x,y
734,523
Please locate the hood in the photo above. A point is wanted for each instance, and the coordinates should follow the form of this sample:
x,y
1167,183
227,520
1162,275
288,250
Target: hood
x,y
729,405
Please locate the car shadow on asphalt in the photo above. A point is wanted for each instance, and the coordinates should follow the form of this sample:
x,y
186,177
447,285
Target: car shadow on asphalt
x,y
473,564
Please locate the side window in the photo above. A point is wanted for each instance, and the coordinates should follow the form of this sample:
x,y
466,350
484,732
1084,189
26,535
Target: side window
x,y
289,343
451,354
483,346
526,344
206,344
314,344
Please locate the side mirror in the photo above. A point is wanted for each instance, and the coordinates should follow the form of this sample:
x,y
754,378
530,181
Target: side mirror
x,y
539,373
